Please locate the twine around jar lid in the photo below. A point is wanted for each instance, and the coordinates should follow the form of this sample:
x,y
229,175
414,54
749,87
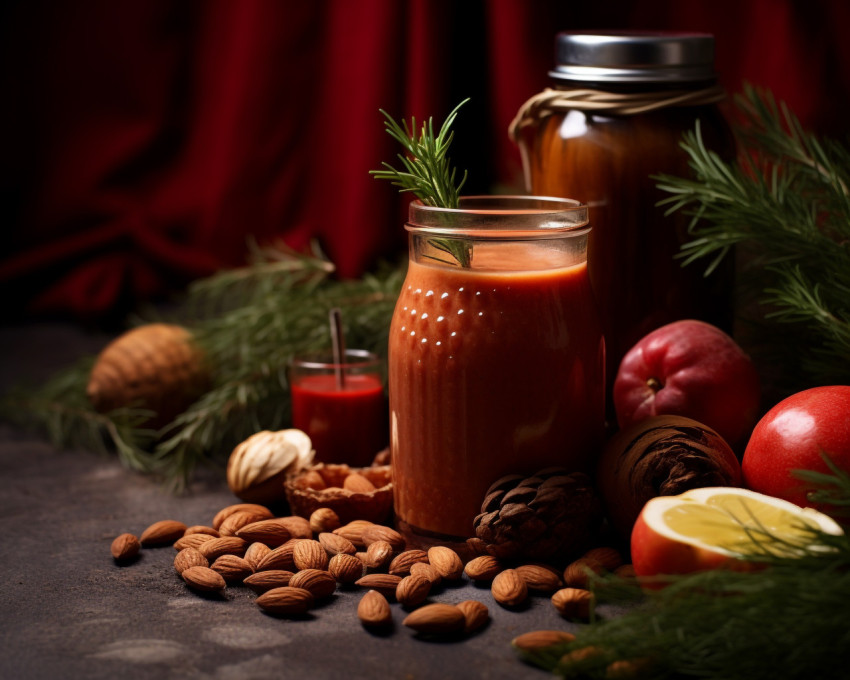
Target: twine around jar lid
x,y
664,70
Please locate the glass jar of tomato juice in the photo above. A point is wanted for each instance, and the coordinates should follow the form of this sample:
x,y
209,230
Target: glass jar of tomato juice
x,y
496,356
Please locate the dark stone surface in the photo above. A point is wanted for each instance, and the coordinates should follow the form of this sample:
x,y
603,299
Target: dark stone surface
x,y
68,611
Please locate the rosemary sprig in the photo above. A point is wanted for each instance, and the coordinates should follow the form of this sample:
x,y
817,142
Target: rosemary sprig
x,y
785,204
428,173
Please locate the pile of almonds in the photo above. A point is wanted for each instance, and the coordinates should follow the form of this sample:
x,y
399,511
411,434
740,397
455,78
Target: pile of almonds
x,y
293,562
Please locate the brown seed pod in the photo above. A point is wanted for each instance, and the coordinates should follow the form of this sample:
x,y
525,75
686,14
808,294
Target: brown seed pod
x,y
660,456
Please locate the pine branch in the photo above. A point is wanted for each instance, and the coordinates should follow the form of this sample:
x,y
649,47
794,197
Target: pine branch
x,y
785,203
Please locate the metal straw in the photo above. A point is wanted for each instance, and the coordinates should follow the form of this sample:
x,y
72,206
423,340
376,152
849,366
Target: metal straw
x,y
338,346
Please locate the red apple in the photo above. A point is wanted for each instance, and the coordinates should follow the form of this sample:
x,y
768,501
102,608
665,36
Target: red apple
x,y
693,369
792,435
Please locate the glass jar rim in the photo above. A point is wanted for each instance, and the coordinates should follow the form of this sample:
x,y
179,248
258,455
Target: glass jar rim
x,y
515,216
323,359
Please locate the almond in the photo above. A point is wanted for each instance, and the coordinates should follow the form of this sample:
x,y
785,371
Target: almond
x,y
475,615
509,589
427,570
312,479
402,562
537,640
285,600
483,568
578,573
201,529
224,513
189,557
412,590
345,568
607,558
203,579
226,545
272,532
262,581
573,603
436,618
335,544
255,553
298,526
357,483
279,558
192,541
162,533
385,584
237,520
625,571
373,610
125,547
539,578
324,519
309,554
379,532
233,569
476,547
446,562
353,531
378,554
320,583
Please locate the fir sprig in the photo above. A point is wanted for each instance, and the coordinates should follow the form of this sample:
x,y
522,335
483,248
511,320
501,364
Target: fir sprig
x,y
785,204
249,322
787,620
428,172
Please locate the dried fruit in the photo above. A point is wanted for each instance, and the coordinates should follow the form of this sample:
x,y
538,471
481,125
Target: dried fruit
x,y
226,545
285,600
373,610
189,557
320,583
192,541
309,554
537,640
378,554
279,558
257,467
334,544
203,579
271,532
345,568
164,532
551,514
125,547
509,588
242,518
201,529
436,619
357,483
385,584
607,558
483,568
156,366
578,573
446,561
379,532
539,578
353,531
412,590
573,603
475,615
225,512
313,480
324,519
298,526
262,581
402,563
232,568
324,486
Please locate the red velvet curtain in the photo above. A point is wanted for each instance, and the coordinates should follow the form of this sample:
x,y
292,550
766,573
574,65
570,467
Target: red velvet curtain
x,y
146,142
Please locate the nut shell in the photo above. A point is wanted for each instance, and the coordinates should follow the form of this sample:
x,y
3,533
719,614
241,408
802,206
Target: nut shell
x,y
349,505
257,467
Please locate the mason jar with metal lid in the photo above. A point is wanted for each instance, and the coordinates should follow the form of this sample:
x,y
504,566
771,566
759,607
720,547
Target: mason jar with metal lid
x,y
615,116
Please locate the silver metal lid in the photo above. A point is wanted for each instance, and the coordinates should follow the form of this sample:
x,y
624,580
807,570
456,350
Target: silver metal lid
x,y
632,57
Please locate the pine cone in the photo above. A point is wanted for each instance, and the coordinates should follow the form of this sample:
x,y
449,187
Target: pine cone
x,y
552,514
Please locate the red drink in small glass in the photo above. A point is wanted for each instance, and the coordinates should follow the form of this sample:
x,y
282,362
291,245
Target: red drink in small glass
x,y
346,422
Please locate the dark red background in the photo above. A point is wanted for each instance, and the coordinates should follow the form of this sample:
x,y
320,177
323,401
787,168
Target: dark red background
x,y
144,142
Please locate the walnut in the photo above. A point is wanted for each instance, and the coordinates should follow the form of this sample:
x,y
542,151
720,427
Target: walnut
x,y
258,467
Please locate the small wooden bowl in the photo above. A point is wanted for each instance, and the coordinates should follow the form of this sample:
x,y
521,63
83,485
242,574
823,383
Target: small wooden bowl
x,y
374,506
